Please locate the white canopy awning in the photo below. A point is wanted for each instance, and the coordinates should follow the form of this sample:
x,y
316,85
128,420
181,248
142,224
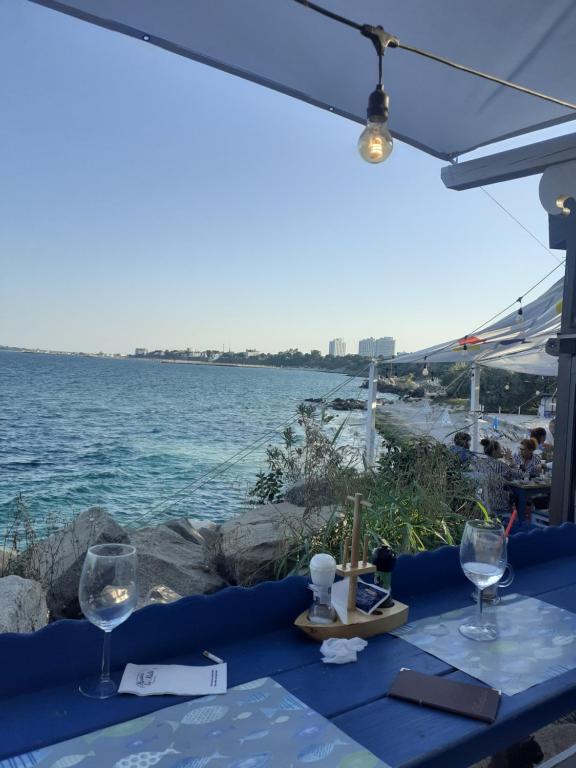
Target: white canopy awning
x,y
515,346
286,46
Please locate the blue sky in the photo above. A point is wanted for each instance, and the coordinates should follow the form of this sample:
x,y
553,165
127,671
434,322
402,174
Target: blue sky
x,y
133,212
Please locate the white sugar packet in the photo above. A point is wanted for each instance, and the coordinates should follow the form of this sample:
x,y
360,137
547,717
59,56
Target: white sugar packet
x,y
175,679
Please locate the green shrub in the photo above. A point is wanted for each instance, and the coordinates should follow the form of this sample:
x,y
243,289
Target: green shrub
x,y
311,455
420,498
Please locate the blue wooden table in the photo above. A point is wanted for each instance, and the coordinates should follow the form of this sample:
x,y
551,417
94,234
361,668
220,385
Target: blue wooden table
x,y
525,492
251,629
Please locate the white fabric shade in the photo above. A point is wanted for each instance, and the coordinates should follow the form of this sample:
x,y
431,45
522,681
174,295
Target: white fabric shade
x,y
285,46
506,344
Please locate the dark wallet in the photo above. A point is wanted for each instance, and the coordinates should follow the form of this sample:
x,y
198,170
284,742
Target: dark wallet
x,y
459,698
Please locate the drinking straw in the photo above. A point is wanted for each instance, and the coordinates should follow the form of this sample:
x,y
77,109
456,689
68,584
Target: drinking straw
x,y
213,657
511,522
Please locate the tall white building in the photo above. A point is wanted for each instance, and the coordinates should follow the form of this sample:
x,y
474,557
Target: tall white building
x,y
366,347
385,346
337,348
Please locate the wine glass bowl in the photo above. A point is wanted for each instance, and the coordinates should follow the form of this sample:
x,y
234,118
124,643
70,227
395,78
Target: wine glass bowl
x,y
108,594
483,560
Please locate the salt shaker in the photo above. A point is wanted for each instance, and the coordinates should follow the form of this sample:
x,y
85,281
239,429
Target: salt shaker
x,y
322,573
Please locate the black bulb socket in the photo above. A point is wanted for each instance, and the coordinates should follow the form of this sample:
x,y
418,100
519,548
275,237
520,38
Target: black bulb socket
x,y
378,105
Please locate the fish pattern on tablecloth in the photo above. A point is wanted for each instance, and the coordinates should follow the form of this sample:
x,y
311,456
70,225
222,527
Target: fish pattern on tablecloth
x,y
536,642
258,724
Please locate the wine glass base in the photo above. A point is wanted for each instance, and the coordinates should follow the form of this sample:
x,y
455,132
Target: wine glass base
x,y
99,689
484,633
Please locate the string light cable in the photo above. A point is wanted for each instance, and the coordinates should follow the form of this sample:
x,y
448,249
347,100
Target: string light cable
x,y
393,42
375,143
520,298
427,357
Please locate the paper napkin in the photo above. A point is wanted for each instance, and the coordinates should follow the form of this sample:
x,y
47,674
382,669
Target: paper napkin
x,y
175,679
341,651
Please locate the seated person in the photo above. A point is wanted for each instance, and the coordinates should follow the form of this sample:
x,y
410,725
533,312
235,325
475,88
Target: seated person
x,y
538,434
545,446
495,474
525,458
461,447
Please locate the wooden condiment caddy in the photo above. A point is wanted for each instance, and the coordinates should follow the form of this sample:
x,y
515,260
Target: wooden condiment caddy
x,y
360,624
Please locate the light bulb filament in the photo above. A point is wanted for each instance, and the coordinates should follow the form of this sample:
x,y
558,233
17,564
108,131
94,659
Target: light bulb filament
x,y
376,147
375,142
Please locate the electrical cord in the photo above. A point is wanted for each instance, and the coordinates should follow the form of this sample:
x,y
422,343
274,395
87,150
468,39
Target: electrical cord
x,y
486,76
395,43
330,14
428,357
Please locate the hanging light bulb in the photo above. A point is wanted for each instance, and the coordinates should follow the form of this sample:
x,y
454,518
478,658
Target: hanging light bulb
x,y
375,143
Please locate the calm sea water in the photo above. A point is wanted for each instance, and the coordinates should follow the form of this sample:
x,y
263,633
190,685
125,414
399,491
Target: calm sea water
x,y
128,434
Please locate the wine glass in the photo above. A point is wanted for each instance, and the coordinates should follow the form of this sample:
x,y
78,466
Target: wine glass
x,y
108,593
483,560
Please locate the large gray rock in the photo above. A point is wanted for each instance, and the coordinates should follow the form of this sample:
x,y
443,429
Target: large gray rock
x,y
184,527
56,562
311,493
166,559
251,545
22,605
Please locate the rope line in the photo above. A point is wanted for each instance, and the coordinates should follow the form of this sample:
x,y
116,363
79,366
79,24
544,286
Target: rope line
x,y
239,456
525,228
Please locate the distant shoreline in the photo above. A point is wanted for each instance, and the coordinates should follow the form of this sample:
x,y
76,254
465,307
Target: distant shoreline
x,y
213,362
254,365
96,356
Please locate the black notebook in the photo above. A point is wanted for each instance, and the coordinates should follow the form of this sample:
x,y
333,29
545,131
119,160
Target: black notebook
x,y
474,701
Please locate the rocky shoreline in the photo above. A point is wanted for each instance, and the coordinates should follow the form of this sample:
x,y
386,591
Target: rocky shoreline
x,y
176,558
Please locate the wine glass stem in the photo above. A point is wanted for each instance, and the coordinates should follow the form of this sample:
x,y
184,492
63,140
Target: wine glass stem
x,y
480,606
105,672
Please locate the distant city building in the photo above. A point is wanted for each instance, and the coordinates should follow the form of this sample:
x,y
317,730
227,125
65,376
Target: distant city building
x,y
383,347
337,348
251,353
366,347
140,351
